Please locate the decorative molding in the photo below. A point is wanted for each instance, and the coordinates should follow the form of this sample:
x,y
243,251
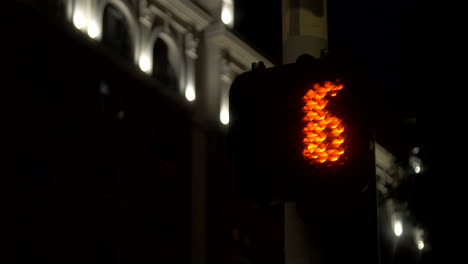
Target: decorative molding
x,y
383,158
236,68
226,70
188,12
191,45
230,69
146,17
168,18
237,49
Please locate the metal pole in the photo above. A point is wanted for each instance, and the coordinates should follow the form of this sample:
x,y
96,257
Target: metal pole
x,y
304,31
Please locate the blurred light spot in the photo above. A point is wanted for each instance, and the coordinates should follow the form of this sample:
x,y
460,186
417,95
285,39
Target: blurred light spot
x,y
145,63
226,16
420,244
79,20
227,13
190,93
224,116
415,150
398,228
417,169
415,163
104,88
93,30
418,237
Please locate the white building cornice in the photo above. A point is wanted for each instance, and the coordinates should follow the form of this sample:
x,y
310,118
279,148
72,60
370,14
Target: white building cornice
x,y
238,49
188,12
383,158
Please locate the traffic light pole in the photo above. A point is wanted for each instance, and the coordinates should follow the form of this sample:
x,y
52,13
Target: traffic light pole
x,y
304,31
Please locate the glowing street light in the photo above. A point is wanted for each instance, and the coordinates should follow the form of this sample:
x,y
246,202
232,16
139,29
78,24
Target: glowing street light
x,y
144,63
420,245
417,169
224,116
398,228
79,20
190,93
226,16
93,30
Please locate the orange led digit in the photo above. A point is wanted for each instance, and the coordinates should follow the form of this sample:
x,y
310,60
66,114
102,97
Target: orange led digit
x,y
323,139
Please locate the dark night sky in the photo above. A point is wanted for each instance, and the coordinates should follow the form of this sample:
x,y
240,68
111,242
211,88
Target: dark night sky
x,y
259,23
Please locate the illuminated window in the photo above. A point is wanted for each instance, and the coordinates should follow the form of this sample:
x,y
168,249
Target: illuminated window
x,y
323,139
227,12
116,34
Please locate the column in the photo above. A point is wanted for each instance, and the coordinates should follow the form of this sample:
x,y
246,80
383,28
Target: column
x,y
304,31
227,77
191,45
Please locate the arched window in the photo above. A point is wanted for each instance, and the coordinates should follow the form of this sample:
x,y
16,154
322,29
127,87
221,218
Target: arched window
x,y
163,70
116,34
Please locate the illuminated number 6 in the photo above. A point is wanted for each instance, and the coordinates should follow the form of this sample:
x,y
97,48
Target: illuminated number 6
x,y
323,139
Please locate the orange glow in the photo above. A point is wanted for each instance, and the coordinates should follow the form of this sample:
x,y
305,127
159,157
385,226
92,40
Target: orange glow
x,y
322,141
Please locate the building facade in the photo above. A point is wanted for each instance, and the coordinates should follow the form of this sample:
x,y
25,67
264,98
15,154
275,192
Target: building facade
x,y
185,45
188,51
175,205
188,48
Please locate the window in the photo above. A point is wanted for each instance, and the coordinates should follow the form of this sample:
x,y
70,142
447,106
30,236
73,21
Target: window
x,y
163,71
116,34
